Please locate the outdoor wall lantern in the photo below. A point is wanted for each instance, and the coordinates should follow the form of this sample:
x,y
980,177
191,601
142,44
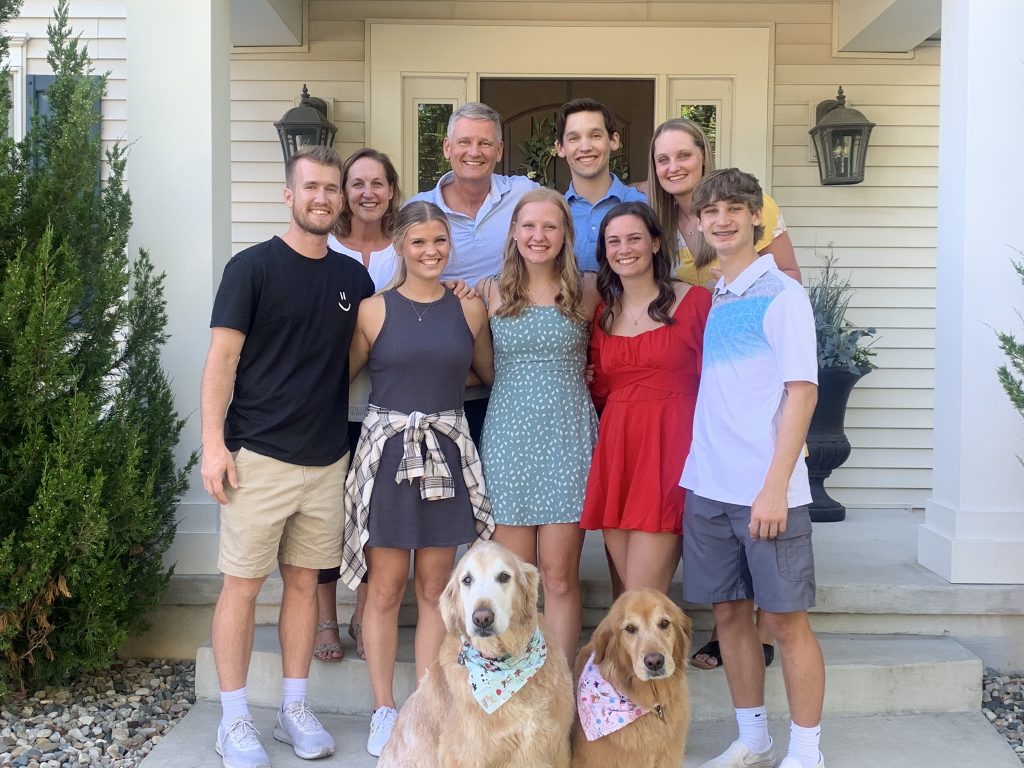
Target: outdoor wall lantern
x,y
305,126
840,139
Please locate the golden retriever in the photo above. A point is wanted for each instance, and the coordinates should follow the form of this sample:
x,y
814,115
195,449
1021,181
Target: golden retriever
x,y
640,649
490,602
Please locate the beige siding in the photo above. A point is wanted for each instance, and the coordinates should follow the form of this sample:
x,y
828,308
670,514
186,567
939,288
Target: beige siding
x,y
883,231
103,27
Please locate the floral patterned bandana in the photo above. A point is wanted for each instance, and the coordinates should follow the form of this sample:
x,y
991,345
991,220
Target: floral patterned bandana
x,y
495,681
602,709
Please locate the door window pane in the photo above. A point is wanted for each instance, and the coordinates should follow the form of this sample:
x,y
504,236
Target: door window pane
x,y
431,127
706,116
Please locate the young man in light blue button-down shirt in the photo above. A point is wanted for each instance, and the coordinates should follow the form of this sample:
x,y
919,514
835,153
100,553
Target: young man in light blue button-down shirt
x,y
586,137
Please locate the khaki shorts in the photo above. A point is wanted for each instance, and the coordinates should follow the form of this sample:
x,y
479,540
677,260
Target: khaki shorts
x,y
281,513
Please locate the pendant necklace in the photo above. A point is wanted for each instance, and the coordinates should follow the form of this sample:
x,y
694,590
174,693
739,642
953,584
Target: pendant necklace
x,y
419,315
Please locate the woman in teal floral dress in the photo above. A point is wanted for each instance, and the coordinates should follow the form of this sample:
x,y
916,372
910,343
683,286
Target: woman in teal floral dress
x,y
541,426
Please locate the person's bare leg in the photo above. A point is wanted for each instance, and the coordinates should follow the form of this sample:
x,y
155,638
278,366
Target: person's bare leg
x,y
803,667
764,632
613,575
741,652
234,622
298,619
389,574
521,539
431,571
616,549
355,625
651,560
560,546
327,611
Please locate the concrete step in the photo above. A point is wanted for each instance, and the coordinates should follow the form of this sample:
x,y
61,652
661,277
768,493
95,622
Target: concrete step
x,y
865,674
941,740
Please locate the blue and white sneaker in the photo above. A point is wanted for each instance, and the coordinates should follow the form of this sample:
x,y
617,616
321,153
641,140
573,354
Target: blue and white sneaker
x,y
239,745
298,726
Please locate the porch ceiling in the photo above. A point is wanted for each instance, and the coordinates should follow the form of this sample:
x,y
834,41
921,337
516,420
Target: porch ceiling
x,y
266,22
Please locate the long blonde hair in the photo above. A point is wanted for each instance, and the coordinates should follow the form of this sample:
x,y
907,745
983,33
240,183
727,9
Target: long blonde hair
x,y
416,212
665,206
514,279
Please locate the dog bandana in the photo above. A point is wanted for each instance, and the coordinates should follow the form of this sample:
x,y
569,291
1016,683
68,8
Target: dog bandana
x,y
495,681
603,710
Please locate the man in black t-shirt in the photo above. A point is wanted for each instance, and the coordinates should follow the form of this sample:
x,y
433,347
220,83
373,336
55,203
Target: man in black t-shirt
x,y
282,324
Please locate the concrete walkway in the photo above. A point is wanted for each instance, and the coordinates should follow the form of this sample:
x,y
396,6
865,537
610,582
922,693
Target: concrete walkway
x,y
959,740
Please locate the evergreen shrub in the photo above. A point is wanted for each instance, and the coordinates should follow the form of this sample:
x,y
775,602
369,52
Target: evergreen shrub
x,y
88,428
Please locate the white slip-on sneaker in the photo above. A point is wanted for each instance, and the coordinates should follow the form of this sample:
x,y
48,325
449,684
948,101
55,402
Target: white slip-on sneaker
x,y
792,762
738,756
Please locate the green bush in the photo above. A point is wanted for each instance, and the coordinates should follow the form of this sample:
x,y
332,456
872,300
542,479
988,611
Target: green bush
x,y
1011,375
88,485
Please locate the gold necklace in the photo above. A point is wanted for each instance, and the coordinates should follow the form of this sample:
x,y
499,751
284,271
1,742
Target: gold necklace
x,y
543,293
636,318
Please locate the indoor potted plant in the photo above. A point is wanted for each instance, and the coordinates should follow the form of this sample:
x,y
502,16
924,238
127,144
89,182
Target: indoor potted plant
x,y
843,358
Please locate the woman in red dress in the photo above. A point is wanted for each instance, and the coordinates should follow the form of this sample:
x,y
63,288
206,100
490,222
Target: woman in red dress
x,y
645,346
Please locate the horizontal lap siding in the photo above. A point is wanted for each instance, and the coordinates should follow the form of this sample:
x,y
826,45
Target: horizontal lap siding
x,y
103,28
882,231
883,235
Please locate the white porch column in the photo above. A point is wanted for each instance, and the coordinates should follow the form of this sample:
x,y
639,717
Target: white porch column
x,y
974,522
179,174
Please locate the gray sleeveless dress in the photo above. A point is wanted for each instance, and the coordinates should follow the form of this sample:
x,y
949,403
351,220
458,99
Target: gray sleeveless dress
x,y
419,365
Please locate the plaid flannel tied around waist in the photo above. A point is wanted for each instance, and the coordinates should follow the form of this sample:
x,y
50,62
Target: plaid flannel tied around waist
x,y
422,460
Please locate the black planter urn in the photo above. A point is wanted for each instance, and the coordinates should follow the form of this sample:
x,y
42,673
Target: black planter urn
x,y
827,446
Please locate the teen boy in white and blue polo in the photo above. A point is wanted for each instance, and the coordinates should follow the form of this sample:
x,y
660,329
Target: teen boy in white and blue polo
x,y
747,531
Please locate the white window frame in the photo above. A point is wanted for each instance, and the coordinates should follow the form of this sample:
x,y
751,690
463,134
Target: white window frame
x,y
16,63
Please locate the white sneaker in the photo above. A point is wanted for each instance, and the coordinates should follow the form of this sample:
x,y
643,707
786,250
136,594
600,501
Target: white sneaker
x,y
239,745
792,762
299,727
738,756
381,723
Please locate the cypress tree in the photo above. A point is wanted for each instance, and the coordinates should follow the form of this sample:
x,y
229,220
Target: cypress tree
x,y
88,428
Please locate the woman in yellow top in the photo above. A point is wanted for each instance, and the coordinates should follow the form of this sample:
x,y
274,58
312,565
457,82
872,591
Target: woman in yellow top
x,y
680,156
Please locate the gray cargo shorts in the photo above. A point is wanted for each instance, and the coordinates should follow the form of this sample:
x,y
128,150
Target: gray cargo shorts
x,y
722,563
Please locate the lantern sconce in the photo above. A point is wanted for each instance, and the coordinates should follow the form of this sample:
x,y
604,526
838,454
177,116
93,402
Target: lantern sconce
x,y
840,136
305,126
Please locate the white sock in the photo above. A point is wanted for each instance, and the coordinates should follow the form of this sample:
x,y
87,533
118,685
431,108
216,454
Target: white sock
x,y
753,724
294,689
803,744
235,704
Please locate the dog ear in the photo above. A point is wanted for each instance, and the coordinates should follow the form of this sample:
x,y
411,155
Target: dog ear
x,y
527,593
683,631
605,639
451,606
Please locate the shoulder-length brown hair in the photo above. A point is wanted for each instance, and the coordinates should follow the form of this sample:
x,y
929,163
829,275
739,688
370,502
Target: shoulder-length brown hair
x,y
609,284
665,206
514,280
343,227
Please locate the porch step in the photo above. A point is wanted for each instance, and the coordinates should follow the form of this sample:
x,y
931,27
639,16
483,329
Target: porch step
x,y
865,674
939,740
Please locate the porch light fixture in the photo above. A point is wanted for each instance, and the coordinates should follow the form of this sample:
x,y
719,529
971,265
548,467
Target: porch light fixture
x,y
305,126
840,139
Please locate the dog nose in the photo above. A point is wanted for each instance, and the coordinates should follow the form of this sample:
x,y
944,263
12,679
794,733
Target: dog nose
x,y
655,662
483,618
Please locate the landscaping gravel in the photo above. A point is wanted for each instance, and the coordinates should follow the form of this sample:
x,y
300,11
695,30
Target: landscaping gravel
x,y
111,719
1002,701
114,718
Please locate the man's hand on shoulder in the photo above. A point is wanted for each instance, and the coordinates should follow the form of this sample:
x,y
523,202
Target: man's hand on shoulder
x,y
218,464
461,289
